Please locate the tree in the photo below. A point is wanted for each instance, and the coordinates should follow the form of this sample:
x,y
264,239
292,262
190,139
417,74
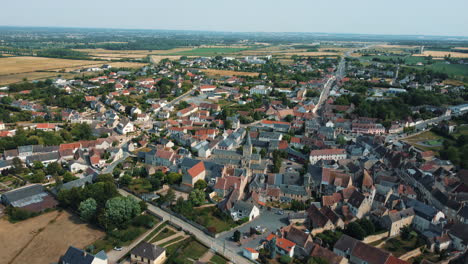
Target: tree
x,y
285,259
200,184
120,210
68,177
38,177
87,209
406,232
37,165
173,178
263,152
125,180
355,230
17,165
272,248
367,226
107,177
197,197
170,196
236,236
53,168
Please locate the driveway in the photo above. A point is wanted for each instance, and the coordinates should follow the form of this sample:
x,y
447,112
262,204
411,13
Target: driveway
x,y
267,219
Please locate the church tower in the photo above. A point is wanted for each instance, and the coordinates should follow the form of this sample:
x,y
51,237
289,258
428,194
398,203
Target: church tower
x,y
247,149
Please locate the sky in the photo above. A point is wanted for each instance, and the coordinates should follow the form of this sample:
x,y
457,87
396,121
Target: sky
x,y
396,17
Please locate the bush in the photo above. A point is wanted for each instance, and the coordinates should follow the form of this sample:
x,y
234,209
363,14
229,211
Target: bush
x,y
127,234
285,259
144,221
17,214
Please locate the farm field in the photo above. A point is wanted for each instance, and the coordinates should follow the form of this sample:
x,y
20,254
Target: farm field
x,y
211,51
443,54
15,69
44,238
214,72
13,65
455,69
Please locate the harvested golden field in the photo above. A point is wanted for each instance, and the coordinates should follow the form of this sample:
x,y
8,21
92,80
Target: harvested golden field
x,y
14,78
214,72
43,239
126,54
15,69
157,58
443,54
453,82
14,65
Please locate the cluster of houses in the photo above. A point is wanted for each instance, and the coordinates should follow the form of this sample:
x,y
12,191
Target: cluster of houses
x,y
79,156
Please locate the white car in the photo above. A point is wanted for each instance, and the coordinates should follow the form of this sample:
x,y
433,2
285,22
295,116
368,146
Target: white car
x,y
118,248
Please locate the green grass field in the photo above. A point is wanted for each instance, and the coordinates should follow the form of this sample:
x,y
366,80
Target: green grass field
x,y
409,60
208,51
450,69
166,232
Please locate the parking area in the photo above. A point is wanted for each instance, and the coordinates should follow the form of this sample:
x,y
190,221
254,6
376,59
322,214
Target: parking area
x,y
270,220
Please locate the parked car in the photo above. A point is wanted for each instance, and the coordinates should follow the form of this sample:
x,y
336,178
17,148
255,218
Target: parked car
x,y
118,248
280,212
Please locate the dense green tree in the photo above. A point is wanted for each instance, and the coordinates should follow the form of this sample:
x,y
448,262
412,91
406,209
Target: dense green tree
x,y
68,177
200,184
197,197
120,210
355,230
173,178
125,180
236,236
87,209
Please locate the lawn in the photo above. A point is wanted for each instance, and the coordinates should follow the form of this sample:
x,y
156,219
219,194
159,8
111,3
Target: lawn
x,y
118,238
193,250
155,231
43,239
210,217
424,136
398,246
140,185
166,232
171,241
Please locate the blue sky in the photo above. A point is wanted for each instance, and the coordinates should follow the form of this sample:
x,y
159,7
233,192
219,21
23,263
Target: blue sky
x,y
409,17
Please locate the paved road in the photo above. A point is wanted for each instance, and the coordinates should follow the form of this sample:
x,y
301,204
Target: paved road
x,y
176,100
228,251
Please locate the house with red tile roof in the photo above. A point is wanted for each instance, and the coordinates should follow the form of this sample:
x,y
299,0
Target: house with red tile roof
x,y
283,246
46,127
194,174
207,88
225,185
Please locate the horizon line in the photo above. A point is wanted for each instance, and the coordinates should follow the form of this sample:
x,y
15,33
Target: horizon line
x,y
241,32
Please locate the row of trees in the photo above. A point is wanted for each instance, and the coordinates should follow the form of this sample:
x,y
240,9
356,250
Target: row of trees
x,y
101,203
71,133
